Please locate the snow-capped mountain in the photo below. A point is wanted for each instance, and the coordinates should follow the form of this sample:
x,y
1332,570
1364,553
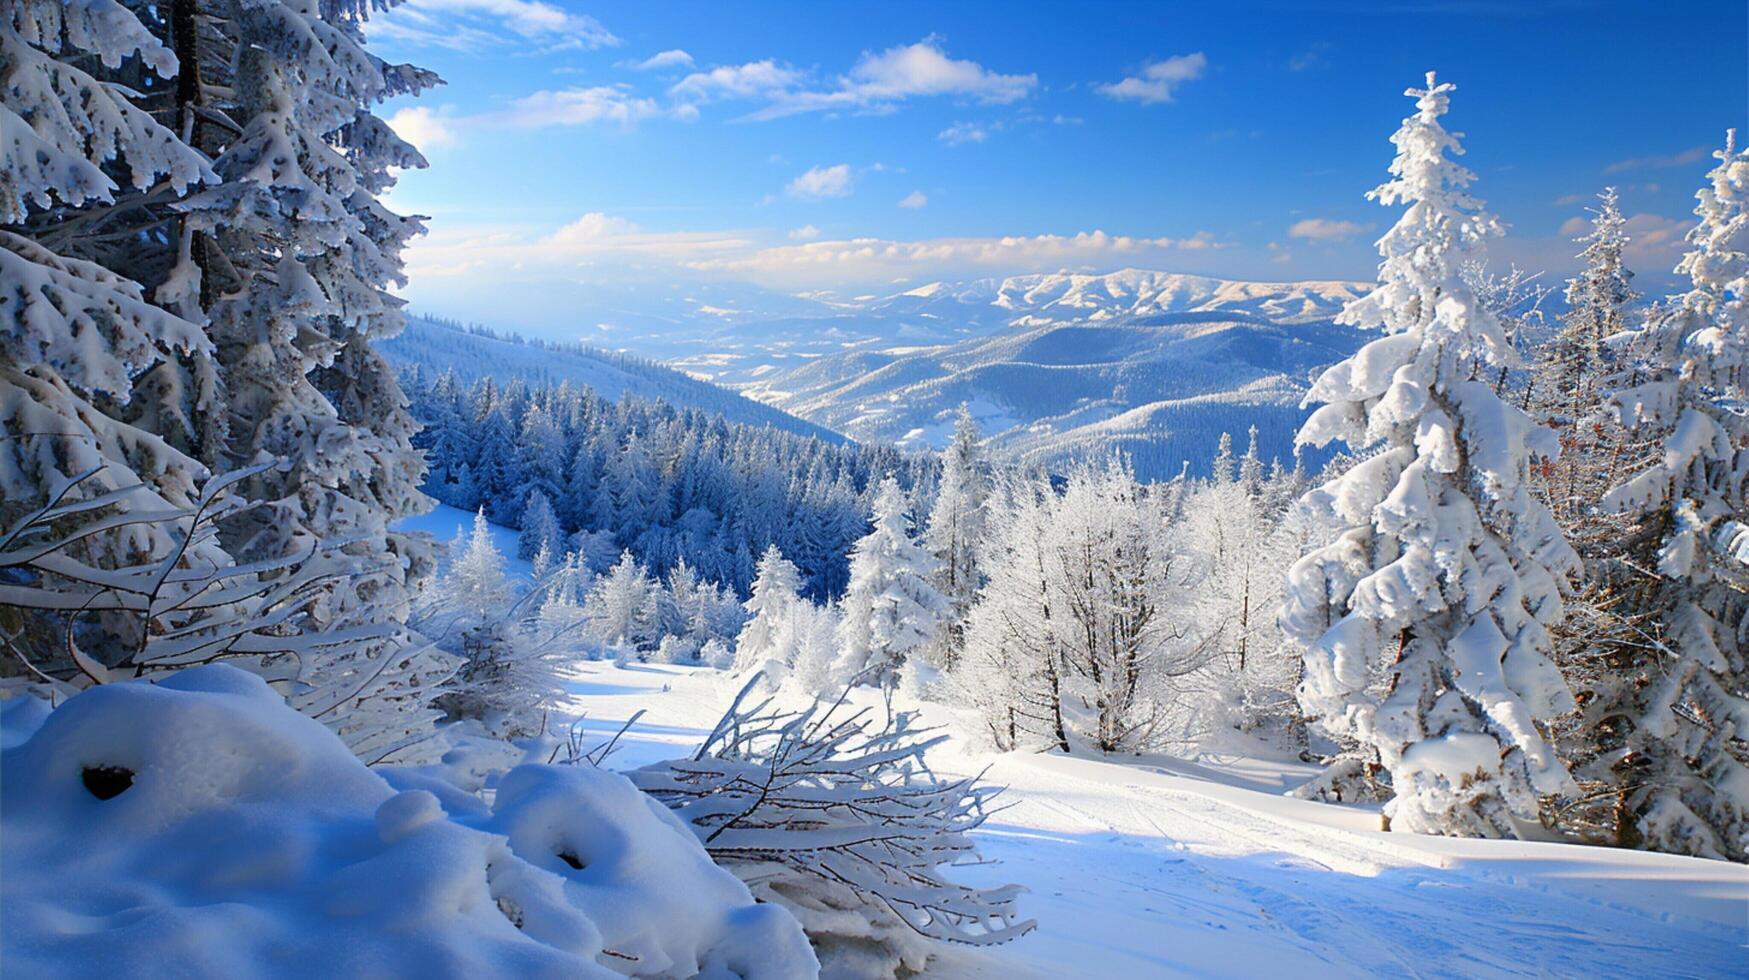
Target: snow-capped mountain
x,y
749,349
1064,296
1161,388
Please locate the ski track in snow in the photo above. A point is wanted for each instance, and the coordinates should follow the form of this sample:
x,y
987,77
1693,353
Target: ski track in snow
x,y
1143,871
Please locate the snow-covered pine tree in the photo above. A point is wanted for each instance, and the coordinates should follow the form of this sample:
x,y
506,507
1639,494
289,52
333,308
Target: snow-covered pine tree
x,y
75,335
1598,645
892,609
956,531
619,606
776,592
540,527
296,256
1685,763
475,581
1425,623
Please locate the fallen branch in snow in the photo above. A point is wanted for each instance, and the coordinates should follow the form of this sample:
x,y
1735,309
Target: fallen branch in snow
x,y
824,812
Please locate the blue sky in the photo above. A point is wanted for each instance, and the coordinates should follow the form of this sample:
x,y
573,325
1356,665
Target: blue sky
x,y
867,147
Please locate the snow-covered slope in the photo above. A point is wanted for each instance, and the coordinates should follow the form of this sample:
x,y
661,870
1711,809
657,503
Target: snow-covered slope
x,y
1156,867
1162,388
434,346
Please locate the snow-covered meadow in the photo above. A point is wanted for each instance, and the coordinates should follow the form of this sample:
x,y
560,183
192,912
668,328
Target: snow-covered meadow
x,y
1155,866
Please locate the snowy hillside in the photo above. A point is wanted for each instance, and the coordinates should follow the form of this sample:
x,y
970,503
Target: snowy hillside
x,y
433,346
1161,388
1159,867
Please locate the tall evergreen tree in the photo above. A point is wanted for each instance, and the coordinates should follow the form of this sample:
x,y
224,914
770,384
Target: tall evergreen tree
x,y
1425,623
892,609
1685,763
956,530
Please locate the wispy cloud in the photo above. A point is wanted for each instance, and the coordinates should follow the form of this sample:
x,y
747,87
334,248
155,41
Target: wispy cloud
x,y
914,200
756,79
605,245
479,25
820,183
579,107
1326,229
961,133
672,58
878,82
1693,154
876,259
534,254
1312,57
1159,80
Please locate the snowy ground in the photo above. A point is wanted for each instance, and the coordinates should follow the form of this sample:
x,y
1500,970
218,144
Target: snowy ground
x,y
1164,867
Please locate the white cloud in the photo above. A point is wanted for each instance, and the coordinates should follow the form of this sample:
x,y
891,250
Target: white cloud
x,y
869,260
879,82
423,127
476,25
1693,154
579,107
1159,80
756,79
530,254
1326,230
961,133
820,183
914,200
672,58
596,247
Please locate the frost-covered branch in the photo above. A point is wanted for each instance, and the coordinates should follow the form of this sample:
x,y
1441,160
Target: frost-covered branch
x,y
825,810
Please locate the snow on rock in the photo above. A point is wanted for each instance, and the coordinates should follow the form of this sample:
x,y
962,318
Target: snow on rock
x,y
199,821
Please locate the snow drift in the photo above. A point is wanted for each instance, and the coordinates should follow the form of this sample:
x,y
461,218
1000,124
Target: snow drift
x,y
199,821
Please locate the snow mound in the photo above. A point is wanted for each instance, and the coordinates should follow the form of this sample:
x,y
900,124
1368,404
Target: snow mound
x,y
200,822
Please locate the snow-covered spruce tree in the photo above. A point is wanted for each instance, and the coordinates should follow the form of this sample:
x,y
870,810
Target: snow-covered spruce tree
x,y
509,650
891,609
111,117
1598,645
540,527
289,258
78,153
1425,623
620,609
776,593
956,531
840,821
1685,763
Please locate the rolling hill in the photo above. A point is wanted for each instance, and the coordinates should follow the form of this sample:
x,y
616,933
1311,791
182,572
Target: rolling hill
x,y
1161,388
432,346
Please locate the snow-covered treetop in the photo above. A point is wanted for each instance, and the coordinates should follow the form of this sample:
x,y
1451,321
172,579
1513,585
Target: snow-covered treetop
x,y
1605,279
1425,251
